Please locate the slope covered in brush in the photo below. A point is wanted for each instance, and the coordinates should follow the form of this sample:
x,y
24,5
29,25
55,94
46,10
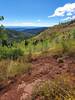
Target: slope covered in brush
x,y
61,28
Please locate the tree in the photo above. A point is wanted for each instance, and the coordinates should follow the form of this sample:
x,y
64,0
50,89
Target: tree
x,y
3,33
1,18
1,26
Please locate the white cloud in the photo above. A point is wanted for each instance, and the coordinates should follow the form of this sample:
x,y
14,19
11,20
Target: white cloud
x,y
17,23
69,14
67,9
27,24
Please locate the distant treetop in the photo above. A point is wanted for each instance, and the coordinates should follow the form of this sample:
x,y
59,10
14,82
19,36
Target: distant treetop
x,y
1,17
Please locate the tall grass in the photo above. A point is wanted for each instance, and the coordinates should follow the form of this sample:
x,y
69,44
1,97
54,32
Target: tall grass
x,y
11,68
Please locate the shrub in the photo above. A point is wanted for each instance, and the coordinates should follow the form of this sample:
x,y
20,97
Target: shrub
x,y
53,90
13,53
16,53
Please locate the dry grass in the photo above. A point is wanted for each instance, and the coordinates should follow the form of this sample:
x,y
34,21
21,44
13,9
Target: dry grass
x,y
58,89
10,68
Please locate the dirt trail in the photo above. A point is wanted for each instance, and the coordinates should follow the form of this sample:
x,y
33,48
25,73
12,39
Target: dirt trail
x,y
42,69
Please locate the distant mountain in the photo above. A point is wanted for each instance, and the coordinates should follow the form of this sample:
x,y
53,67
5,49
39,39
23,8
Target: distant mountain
x,y
20,33
15,35
35,30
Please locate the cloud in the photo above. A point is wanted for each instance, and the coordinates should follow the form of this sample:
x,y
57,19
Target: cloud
x,y
67,9
69,14
17,23
27,24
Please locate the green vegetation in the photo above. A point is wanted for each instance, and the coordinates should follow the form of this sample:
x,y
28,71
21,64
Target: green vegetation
x,y
16,55
11,53
56,43
1,17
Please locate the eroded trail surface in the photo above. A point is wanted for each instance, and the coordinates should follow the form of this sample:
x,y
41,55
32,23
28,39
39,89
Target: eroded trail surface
x,y
43,68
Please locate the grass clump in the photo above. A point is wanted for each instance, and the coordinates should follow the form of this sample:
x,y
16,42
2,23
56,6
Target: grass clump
x,y
11,68
54,90
16,68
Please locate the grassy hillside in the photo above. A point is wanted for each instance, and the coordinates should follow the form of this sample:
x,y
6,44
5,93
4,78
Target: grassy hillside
x,y
46,56
56,40
20,33
61,28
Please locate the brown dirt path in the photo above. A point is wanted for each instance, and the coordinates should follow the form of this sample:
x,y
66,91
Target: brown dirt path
x,y
42,69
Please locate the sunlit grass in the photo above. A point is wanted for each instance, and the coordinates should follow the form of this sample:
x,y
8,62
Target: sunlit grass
x,y
12,68
57,89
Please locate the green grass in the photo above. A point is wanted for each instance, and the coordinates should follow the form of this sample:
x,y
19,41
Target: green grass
x,y
12,52
53,47
57,43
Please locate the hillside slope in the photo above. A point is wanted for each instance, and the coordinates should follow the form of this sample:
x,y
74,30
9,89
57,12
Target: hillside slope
x,y
23,32
61,28
54,64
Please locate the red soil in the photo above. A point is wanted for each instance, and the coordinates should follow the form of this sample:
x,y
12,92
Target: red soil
x,y
20,87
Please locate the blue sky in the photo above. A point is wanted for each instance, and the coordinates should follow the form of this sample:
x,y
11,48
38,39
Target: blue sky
x,y
36,12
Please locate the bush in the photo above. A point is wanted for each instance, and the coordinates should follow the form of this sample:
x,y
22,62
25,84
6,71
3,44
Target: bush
x,y
53,90
13,53
16,53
